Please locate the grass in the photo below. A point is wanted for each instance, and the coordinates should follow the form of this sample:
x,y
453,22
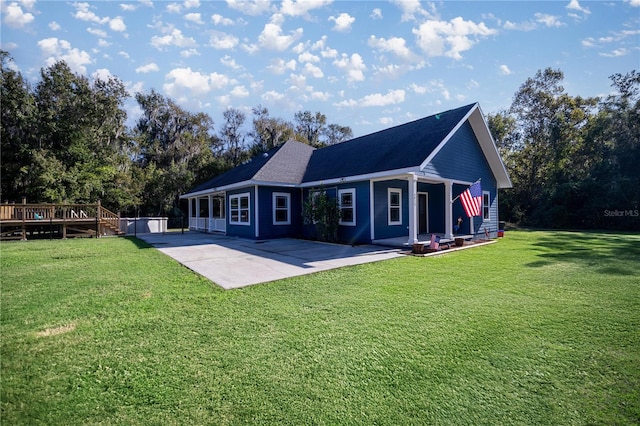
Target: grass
x,y
541,328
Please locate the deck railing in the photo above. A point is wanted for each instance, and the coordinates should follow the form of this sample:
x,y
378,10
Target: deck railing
x,y
92,217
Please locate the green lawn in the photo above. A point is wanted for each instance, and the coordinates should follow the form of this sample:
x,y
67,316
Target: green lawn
x,y
540,328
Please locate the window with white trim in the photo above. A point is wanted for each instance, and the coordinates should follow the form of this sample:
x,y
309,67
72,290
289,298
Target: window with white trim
x,y
281,208
486,205
239,209
394,198
347,204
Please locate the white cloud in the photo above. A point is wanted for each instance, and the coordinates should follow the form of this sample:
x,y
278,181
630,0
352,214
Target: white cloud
x,y
548,20
54,26
151,67
198,84
504,70
412,9
221,41
191,4
392,97
196,18
523,26
279,66
239,92
103,43
221,20
123,54
84,13
271,37
420,90
575,5
250,7
308,57
174,39
441,38
343,22
97,32
615,53
353,66
376,14
102,74
395,45
128,7
15,17
386,121
117,24
174,8
55,50
301,7
633,3
313,70
228,61
187,53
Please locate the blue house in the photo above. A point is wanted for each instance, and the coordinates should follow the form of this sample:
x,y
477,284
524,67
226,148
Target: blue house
x,y
397,183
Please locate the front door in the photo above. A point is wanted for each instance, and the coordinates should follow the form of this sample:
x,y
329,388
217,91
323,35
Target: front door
x,y
423,213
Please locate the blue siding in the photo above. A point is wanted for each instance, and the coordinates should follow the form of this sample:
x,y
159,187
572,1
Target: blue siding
x,y
242,230
462,159
360,233
382,228
267,229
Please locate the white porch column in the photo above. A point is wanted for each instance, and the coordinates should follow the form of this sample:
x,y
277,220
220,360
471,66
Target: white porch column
x,y
448,209
197,212
413,209
210,204
190,212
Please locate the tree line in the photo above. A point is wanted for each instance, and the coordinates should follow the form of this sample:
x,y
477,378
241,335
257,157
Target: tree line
x,y
574,162
65,139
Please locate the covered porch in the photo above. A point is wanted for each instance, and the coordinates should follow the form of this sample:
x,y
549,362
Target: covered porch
x,y
207,213
402,242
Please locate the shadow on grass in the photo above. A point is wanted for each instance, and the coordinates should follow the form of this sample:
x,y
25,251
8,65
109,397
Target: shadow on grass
x,y
609,254
138,242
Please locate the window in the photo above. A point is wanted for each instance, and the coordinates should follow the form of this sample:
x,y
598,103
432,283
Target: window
x,y
486,205
347,200
239,209
281,208
395,206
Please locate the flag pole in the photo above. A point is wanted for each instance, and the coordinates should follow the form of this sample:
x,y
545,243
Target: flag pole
x,y
458,196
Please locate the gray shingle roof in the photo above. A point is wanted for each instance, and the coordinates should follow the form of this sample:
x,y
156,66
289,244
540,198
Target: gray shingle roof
x,y
399,147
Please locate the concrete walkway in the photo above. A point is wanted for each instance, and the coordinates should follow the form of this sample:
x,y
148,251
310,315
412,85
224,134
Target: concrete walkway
x,y
236,262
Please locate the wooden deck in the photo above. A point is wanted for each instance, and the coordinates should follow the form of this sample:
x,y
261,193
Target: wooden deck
x,y
27,221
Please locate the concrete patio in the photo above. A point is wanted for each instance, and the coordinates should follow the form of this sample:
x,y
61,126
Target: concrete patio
x,y
236,262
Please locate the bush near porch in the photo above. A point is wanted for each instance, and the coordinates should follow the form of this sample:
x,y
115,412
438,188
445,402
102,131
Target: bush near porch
x,y
541,328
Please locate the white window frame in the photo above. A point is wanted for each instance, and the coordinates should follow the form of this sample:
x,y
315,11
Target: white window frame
x,y
390,207
486,206
287,197
351,191
239,209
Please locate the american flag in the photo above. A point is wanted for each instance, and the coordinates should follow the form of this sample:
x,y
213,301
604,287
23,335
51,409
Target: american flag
x,y
472,200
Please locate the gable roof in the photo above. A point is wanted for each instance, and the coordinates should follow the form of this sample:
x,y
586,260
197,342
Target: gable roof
x,y
405,148
284,164
399,147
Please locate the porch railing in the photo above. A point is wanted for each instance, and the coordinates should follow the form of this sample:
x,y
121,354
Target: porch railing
x,y
216,224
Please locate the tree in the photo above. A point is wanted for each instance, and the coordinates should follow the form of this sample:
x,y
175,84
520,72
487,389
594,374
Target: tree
x,y
232,136
335,133
323,212
174,151
17,119
309,127
268,132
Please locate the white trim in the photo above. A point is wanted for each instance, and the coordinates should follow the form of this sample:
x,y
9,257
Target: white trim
x,y
488,207
448,209
257,213
275,208
237,185
239,197
413,209
372,213
386,175
351,191
399,207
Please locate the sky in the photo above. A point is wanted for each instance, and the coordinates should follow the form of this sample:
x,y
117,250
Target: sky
x,y
368,65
